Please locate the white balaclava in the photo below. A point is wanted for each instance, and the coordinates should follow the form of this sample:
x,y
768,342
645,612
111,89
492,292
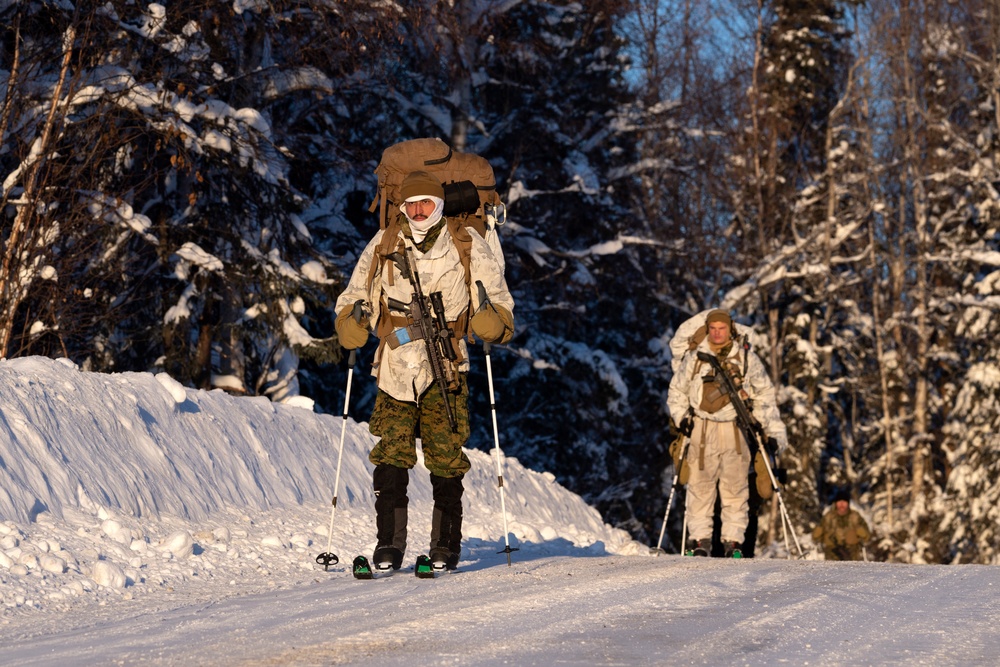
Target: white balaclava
x,y
421,227
419,185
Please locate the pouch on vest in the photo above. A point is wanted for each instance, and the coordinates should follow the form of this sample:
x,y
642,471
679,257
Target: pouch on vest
x,y
402,336
764,488
681,467
713,396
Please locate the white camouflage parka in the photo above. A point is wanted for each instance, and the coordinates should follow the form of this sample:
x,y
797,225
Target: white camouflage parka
x,y
687,385
405,372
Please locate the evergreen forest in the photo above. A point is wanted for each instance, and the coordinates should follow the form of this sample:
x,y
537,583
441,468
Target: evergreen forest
x,y
186,186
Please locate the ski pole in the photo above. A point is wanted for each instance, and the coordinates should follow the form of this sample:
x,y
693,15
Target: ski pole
x,y
483,300
786,523
670,498
328,558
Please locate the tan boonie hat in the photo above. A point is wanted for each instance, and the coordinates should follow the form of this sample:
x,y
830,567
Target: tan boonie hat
x,y
420,184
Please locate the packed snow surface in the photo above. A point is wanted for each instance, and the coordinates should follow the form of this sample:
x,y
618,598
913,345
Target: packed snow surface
x,y
145,523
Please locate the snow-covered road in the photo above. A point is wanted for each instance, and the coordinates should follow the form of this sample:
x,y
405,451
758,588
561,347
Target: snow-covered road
x,y
557,610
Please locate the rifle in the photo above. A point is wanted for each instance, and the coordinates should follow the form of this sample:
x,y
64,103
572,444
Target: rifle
x,y
431,325
751,428
752,431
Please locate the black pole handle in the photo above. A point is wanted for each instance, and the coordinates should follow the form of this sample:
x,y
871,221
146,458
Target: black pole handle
x,y
353,356
483,301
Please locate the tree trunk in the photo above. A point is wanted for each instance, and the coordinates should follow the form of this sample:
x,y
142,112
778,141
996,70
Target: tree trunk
x,y
20,253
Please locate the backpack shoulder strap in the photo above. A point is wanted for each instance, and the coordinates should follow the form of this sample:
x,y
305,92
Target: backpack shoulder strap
x,y
462,239
459,227
386,246
698,336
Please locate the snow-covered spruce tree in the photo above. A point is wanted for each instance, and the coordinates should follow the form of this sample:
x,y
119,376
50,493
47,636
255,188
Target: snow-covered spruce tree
x,y
581,265
884,452
923,221
178,245
961,47
969,512
858,372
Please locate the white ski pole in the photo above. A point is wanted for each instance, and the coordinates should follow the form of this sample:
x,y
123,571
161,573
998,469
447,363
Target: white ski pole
x,y
670,500
786,523
328,558
663,528
483,300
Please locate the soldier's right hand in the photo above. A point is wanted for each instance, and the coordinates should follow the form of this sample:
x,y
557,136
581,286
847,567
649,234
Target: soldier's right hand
x,y
687,426
352,331
771,445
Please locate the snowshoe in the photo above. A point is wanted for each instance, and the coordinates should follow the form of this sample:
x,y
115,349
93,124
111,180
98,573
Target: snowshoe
x,y
362,569
733,550
424,568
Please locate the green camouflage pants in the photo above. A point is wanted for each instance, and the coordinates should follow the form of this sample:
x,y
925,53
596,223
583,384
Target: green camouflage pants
x,y
399,423
842,552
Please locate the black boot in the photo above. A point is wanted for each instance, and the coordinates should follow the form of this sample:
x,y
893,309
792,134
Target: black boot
x,y
390,515
446,524
702,547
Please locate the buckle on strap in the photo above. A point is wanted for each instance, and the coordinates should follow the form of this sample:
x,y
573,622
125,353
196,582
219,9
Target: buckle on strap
x,y
402,336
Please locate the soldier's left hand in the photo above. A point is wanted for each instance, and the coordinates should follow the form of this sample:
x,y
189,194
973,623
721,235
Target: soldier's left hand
x,y
493,324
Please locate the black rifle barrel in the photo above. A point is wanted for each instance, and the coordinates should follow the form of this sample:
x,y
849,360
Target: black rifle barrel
x,y
434,331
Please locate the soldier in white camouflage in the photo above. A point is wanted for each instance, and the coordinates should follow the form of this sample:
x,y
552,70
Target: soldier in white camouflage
x,y
409,403
718,455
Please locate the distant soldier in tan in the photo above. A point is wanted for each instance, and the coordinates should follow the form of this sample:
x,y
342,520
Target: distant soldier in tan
x,y
842,532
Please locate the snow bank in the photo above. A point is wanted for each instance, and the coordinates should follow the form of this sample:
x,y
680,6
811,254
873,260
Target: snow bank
x,y
128,484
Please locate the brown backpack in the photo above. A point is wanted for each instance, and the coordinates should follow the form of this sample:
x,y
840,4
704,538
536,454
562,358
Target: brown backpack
x,y
471,199
461,174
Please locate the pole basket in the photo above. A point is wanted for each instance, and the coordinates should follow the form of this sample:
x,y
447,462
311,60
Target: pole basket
x,y
508,550
326,559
